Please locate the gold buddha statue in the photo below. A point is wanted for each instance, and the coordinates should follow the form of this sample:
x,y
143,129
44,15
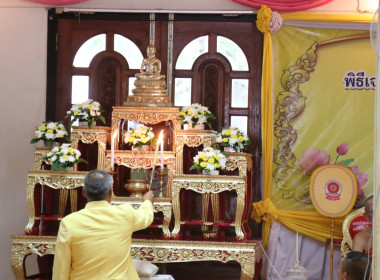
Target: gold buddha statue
x,y
150,86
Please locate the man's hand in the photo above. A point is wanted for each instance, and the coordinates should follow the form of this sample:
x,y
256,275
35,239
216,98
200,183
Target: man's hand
x,y
148,196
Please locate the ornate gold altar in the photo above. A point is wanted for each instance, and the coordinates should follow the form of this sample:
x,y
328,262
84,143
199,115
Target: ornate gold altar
x,y
53,194
156,251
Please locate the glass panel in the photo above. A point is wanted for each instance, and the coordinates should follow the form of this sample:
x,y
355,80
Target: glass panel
x,y
240,122
233,53
182,89
133,125
79,89
131,85
129,50
191,52
89,49
239,95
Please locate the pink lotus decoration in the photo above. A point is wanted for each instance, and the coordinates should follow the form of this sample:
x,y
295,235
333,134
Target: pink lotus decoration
x,y
311,159
361,178
342,149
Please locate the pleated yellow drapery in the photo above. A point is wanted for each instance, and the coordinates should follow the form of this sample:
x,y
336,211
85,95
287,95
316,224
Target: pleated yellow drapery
x,y
310,224
263,24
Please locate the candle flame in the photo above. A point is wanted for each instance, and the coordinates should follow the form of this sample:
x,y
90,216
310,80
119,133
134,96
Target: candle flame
x,y
161,137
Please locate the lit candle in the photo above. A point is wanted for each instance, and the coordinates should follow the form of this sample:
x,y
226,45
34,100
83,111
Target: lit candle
x,y
156,152
113,150
297,246
162,151
155,158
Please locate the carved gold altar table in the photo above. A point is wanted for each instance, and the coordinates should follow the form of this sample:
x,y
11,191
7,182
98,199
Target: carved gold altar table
x,y
146,115
156,251
190,138
65,181
209,185
142,160
160,204
100,134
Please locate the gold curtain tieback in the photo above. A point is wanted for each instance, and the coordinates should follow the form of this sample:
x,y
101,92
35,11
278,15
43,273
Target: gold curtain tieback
x,y
264,211
263,19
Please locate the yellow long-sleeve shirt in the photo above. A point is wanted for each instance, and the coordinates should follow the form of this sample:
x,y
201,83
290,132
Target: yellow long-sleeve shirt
x,y
95,242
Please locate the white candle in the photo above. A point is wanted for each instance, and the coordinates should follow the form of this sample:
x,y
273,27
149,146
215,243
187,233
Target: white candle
x,y
297,246
113,149
162,151
156,152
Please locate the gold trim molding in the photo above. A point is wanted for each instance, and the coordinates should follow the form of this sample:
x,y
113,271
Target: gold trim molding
x,y
247,254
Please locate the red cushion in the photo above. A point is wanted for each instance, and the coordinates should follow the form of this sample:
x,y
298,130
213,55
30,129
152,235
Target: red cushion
x,y
358,224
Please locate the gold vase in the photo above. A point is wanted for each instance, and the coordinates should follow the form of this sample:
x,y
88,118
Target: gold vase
x,y
136,187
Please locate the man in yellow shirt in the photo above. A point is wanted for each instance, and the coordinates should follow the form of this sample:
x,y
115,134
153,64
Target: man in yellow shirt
x,y
95,242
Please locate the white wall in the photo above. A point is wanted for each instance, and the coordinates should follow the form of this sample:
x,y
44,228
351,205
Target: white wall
x,y
23,31
22,107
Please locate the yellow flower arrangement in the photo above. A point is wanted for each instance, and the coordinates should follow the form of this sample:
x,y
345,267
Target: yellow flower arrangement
x,y
139,136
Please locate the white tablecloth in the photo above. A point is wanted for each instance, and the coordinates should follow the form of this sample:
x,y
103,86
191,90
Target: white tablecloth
x,y
158,277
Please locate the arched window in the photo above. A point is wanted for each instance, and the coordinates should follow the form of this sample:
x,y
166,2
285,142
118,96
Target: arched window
x,y
98,69
221,65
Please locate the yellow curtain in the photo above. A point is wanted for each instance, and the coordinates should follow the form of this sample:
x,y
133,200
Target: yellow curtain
x,y
310,224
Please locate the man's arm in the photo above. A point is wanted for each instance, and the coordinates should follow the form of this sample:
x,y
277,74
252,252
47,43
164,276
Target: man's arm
x,y
144,215
359,242
62,257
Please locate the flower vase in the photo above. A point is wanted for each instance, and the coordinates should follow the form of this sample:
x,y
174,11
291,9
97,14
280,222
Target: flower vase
x,y
189,126
231,150
214,172
83,123
68,168
143,148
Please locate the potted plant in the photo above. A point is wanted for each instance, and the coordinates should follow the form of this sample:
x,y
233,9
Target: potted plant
x,y
195,116
50,133
232,139
63,157
88,112
209,161
140,138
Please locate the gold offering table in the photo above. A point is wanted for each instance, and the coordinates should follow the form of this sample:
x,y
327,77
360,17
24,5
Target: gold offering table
x,y
160,204
100,134
191,138
156,251
211,185
64,181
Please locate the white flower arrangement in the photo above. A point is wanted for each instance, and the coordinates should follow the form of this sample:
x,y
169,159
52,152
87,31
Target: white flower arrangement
x,y
209,159
89,111
139,136
50,132
233,137
63,156
195,114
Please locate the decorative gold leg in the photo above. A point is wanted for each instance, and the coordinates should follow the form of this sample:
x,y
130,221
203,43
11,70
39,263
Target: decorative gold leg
x,y
17,261
167,211
101,155
63,194
176,212
205,205
215,212
30,200
239,213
